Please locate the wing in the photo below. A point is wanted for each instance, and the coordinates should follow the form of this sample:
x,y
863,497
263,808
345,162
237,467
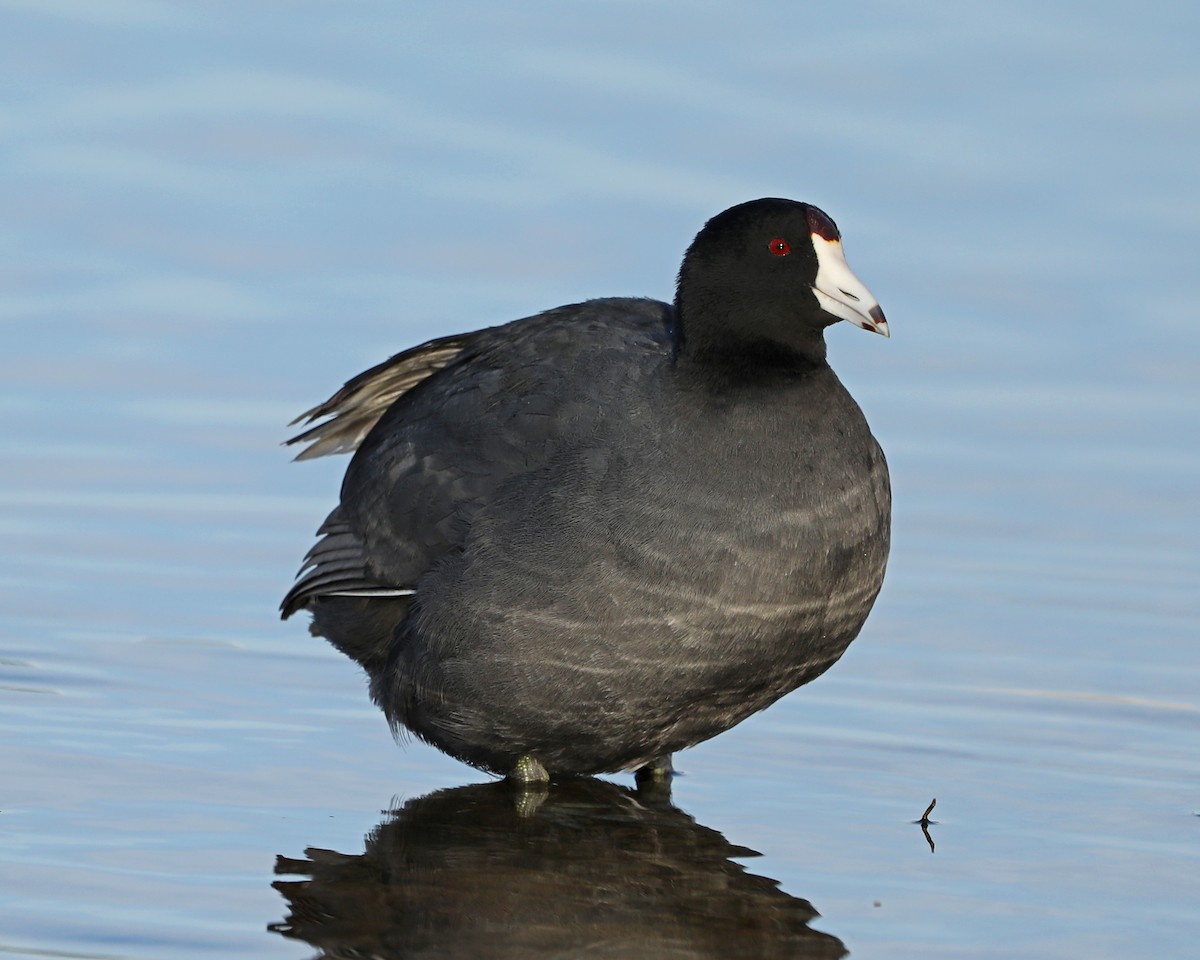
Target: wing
x,y
441,428
357,407
336,566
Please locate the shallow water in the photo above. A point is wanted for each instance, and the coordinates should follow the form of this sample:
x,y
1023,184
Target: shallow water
x,y
211,217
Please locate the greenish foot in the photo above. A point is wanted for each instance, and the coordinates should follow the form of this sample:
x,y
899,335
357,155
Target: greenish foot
x,y
656,771
529,771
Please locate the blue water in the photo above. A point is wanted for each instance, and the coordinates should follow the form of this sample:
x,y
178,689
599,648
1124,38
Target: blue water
x,y
211,215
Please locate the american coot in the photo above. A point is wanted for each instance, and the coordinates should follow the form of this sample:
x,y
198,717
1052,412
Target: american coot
x,y
580,541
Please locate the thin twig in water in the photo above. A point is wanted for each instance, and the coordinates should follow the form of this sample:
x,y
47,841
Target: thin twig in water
x,y
925,822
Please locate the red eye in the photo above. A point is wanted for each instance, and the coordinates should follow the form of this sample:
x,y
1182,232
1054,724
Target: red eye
x,y
780,247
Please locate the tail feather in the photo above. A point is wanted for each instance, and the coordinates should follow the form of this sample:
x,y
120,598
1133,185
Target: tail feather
x,y
362,629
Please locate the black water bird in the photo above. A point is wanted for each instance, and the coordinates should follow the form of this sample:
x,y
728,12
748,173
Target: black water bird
x,y
583,540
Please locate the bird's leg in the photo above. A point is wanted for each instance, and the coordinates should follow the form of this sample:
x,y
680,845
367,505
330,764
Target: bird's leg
x,y
656,771
529,771
531,783
654,781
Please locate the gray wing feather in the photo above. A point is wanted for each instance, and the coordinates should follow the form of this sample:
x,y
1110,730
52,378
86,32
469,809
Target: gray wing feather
x,y
337,565
357,407
507,399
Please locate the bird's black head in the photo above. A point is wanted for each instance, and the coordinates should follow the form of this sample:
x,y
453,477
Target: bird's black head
x,y
763,280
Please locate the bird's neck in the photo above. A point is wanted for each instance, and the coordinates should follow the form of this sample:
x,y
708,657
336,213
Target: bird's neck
x,y
718,347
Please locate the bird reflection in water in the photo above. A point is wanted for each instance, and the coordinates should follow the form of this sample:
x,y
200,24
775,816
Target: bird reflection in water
x,y
588,868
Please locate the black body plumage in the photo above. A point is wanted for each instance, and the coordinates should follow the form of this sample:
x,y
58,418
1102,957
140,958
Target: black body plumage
x,y
607,532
